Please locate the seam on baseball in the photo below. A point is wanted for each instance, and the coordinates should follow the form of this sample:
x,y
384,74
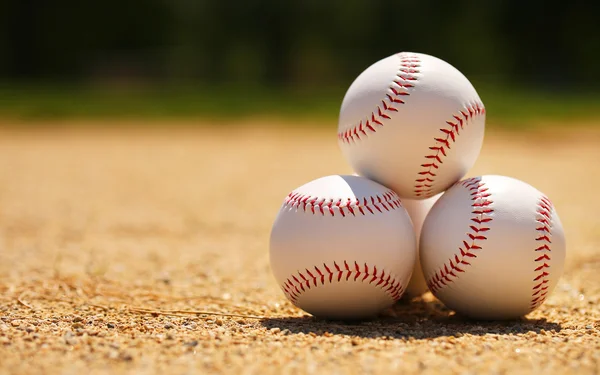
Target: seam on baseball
x,y
296,285
544,232
388,200
406,74
426,176
481,209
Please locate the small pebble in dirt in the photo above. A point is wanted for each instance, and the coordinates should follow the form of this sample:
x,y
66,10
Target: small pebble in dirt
x,y
191,344
110,325
169,326
219,321
126,356
69,338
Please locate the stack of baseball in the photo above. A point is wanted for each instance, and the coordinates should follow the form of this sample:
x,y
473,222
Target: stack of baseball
x,y
348,246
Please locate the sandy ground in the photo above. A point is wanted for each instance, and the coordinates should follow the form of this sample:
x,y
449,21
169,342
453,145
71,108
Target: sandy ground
x,y
113,243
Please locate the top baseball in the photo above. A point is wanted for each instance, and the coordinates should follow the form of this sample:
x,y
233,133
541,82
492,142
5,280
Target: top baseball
x,y
413,123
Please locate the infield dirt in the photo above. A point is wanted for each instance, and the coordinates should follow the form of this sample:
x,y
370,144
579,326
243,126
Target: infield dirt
x,y
113,242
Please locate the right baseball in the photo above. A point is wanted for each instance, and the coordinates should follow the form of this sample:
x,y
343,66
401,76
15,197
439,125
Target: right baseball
x,y
413,123
492,247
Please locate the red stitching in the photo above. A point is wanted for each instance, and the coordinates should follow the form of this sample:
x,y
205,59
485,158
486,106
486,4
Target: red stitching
x,y
329,206
542,252
426,176
297,284
481,209
399,87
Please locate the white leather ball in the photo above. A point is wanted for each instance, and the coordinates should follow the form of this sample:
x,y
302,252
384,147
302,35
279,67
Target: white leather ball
x,y
413,123
342,247
418,210
492,247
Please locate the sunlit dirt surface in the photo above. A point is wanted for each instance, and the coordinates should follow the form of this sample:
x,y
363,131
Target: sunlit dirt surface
x,y
113,243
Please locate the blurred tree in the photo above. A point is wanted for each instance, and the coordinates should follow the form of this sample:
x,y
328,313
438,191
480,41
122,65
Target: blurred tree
x,y
304,43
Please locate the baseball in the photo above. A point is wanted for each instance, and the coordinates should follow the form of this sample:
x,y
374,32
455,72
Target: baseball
x,y
342,247
418,210
413,123
492,247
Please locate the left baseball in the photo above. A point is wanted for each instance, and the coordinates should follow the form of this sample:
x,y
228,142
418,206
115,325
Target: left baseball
x,y
342,247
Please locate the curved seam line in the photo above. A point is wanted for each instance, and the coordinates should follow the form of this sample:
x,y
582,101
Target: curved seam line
x,y
481,208
388,200
295,286
405,74
544,230
426,177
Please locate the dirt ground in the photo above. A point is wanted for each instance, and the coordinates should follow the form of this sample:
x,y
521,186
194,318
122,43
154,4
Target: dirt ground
x,y
113,243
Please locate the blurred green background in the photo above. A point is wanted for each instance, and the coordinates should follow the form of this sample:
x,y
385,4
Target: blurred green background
x,y
533,62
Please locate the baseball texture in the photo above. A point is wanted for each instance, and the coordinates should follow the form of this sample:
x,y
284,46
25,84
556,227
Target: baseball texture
x,y
413,123
418,210
342,247
492,247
